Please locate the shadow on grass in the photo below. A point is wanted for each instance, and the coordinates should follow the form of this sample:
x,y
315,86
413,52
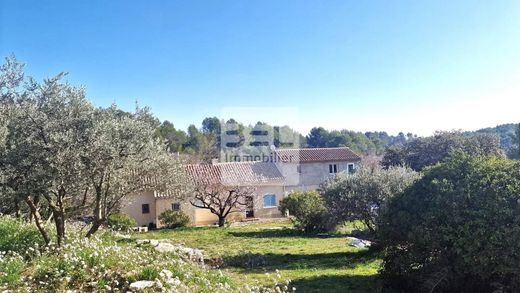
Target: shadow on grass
x,y
261,262
278,233
345,283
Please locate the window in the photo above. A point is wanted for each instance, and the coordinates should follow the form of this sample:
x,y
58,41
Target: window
x,y
176,206
269,201
333,168
299,168
351,168
145,208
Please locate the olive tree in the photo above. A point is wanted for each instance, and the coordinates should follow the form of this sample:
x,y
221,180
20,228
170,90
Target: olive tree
x,y
65,158
11,78
365,194
121,156
42,157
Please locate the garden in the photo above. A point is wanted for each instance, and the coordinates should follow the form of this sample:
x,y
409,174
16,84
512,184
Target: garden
x,y
254,253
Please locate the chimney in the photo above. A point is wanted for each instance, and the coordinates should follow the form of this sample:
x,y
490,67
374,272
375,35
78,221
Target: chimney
x,y
214,161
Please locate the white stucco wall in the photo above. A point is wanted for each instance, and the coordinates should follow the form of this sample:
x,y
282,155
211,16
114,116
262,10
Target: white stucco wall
x,y
311,175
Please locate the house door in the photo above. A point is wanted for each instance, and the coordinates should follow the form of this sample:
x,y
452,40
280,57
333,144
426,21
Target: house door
x,y
250,213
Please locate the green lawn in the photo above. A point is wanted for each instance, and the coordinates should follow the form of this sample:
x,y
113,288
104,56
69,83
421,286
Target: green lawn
x,y
312,263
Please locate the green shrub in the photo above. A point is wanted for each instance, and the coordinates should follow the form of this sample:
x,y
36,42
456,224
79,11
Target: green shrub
x,y
307,208
121,222
149,273
456,229
18,236
174,219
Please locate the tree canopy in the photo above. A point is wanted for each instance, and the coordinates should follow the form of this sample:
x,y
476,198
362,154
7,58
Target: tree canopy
x,y
456,229
63,157
424,151
365,194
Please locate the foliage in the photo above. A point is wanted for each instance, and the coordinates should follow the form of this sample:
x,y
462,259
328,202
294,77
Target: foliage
x,y
394,156
506,132
174,139
19,237
425,151
367,143
121,222
364,195
121,157
456,229
307,208
60,155
514,150
174,219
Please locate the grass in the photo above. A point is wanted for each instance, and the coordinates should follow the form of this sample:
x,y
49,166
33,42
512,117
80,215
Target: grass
x,y
313,263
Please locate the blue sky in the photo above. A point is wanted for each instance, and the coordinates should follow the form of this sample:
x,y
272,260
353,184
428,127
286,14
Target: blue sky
x,y
415,66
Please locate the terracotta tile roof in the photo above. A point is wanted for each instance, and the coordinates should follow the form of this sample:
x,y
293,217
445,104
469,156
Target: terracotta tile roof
x,y
316,155
235,173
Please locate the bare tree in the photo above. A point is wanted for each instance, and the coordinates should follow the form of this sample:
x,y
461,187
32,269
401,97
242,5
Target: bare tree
x,y
220,199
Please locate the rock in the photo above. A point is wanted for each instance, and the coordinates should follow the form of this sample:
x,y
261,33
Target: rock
x,y
140,285
142,241
152,242
174,282
192,253
356,242
166,274
123,236
165,247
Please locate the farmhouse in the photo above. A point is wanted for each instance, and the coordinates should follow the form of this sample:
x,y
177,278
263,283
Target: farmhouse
x,y
287,170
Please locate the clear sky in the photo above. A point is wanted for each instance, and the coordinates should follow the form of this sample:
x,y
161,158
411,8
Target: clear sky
x,y
411,66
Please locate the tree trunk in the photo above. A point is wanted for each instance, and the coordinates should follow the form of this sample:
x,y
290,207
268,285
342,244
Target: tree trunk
x,y
59,221
98,216
95,226
17,212
37,219
221,221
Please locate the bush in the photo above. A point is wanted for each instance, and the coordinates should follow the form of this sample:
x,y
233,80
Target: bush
x,y
456,229
121,222
19,237
174,219
364,195
308,210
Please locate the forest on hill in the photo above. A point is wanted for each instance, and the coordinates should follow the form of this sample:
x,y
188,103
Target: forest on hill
x,y
204,142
